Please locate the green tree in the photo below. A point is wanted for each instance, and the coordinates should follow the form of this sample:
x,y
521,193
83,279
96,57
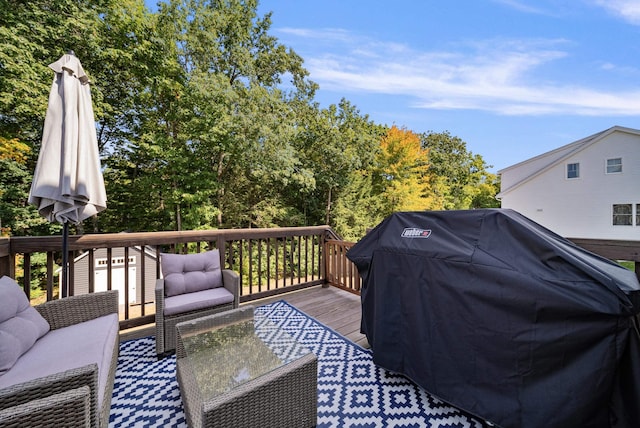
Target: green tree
x,y
205,120
358,208
251,154
16,217
112,40
464,175
34,34
333,143
486,191
107,35
220,124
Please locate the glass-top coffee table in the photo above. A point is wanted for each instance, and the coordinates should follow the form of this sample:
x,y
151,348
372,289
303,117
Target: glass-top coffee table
x,y
238,369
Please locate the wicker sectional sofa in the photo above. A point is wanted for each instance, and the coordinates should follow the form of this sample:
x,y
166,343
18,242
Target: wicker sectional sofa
x,y
66,376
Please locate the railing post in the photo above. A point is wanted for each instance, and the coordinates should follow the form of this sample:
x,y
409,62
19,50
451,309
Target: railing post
x,y
221,245
7,260
324,259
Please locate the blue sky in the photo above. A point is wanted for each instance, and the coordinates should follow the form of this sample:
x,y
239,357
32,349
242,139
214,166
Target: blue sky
x,y
512,78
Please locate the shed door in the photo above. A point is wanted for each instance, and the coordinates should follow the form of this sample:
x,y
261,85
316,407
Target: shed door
x,y
118,279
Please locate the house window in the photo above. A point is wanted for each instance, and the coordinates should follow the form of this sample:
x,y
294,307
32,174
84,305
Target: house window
x,y
573,170
637,214
614,166
622,215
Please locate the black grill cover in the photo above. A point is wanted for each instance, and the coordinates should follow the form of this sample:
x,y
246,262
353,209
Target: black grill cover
x,y
502,318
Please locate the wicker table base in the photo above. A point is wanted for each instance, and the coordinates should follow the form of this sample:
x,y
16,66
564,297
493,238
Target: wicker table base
x,y
230,376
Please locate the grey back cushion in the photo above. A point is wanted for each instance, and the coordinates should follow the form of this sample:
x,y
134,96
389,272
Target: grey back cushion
x,y
186,273
20,324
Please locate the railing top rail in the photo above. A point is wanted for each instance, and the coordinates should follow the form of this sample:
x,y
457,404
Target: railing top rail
x,y
339,242
26,244
610,248
331,234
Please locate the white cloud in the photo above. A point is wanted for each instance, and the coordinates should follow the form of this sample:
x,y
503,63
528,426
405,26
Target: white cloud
x,y
625,70
628,10
502,76
508,77
324,35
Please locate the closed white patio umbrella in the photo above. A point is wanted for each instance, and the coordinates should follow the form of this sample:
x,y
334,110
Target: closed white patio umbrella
x,y
67,183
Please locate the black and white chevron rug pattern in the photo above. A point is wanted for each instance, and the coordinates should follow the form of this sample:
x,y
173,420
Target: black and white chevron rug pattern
x,y
352,391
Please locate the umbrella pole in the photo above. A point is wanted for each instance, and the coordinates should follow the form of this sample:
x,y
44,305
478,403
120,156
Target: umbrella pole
x,y
65,256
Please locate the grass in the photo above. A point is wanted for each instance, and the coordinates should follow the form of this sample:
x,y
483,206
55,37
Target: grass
x,y
629,265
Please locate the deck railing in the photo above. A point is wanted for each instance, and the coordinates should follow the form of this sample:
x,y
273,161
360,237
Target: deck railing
x,y
340,271
269,261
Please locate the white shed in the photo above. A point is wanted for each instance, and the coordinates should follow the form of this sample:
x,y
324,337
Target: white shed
x,y
139,289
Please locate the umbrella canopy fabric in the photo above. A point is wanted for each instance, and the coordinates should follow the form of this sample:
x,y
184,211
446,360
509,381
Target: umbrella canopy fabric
x,y
67,185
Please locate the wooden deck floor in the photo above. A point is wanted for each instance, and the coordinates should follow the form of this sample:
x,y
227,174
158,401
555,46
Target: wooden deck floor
x,y
333,307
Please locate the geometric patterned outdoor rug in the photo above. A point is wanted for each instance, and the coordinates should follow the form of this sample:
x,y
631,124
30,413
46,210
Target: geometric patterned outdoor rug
x,y
352,391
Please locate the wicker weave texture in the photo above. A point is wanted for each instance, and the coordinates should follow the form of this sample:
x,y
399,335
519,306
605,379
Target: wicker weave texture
x,y
105,410
72,406
76,309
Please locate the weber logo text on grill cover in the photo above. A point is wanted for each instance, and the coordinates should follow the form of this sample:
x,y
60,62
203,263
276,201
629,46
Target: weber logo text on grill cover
x,y
414,232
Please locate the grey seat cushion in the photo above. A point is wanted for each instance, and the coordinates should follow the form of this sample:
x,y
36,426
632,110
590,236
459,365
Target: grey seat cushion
x,y
188,273
67,348
198,300
20,324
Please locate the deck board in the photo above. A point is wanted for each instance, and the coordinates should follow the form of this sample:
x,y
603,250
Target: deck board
x,y
337,309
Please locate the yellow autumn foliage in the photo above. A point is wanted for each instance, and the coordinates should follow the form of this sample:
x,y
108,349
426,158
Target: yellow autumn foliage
x,y
13,149
404,168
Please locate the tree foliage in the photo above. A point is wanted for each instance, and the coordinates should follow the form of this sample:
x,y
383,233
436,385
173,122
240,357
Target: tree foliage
x,y
16,217
467,183
402,173
205,120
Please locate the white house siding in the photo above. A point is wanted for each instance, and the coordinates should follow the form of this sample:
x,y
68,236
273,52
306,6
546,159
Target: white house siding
x,y
524,170
582,207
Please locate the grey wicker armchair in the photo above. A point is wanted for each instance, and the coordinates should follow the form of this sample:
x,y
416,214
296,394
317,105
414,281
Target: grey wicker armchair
x,y
193,286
